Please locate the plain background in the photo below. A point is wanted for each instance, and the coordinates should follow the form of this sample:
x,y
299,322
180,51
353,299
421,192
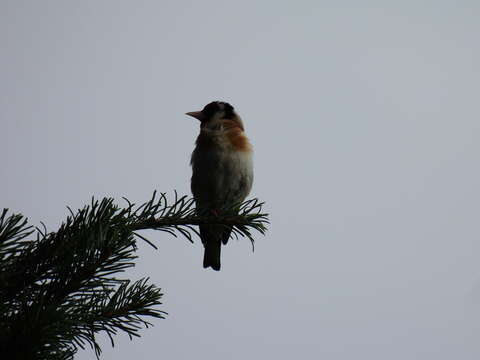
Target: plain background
x,y
365,121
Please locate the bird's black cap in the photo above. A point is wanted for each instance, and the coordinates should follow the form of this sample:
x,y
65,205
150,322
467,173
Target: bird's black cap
x,y
217,106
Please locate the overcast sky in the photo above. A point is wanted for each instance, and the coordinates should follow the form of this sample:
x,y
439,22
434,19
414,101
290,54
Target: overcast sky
x,y
364,116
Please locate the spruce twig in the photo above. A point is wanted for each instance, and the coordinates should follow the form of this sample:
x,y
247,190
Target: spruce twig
x,y
60,289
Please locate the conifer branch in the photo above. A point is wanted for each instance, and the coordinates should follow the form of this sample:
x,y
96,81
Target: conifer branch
x,y
60,289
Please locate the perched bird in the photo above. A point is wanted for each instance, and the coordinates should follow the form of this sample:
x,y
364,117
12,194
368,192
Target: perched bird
x,y
222,172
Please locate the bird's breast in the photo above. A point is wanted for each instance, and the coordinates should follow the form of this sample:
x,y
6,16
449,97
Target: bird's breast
x,y
222,169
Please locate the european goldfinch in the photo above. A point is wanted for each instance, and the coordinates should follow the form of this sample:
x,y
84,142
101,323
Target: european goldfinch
x,y
222,172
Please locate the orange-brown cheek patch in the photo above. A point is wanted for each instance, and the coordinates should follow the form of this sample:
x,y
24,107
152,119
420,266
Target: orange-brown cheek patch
x,y
239,141
234,123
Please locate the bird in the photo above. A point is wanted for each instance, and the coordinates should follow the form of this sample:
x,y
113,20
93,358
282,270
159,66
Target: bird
x,y
222,172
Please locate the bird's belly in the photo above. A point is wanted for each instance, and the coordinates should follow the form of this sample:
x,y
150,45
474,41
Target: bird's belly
x,y
221,178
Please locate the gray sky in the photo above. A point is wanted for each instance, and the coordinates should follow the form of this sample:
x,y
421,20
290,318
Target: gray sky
x,y
365,123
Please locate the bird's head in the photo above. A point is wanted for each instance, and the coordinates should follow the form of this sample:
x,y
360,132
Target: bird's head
x,y
215,114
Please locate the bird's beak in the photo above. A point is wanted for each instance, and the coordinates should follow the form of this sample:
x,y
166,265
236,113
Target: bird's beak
x,y
196,114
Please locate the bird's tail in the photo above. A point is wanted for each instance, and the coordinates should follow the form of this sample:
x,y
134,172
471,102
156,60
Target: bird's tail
x,y
211,238
212,255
